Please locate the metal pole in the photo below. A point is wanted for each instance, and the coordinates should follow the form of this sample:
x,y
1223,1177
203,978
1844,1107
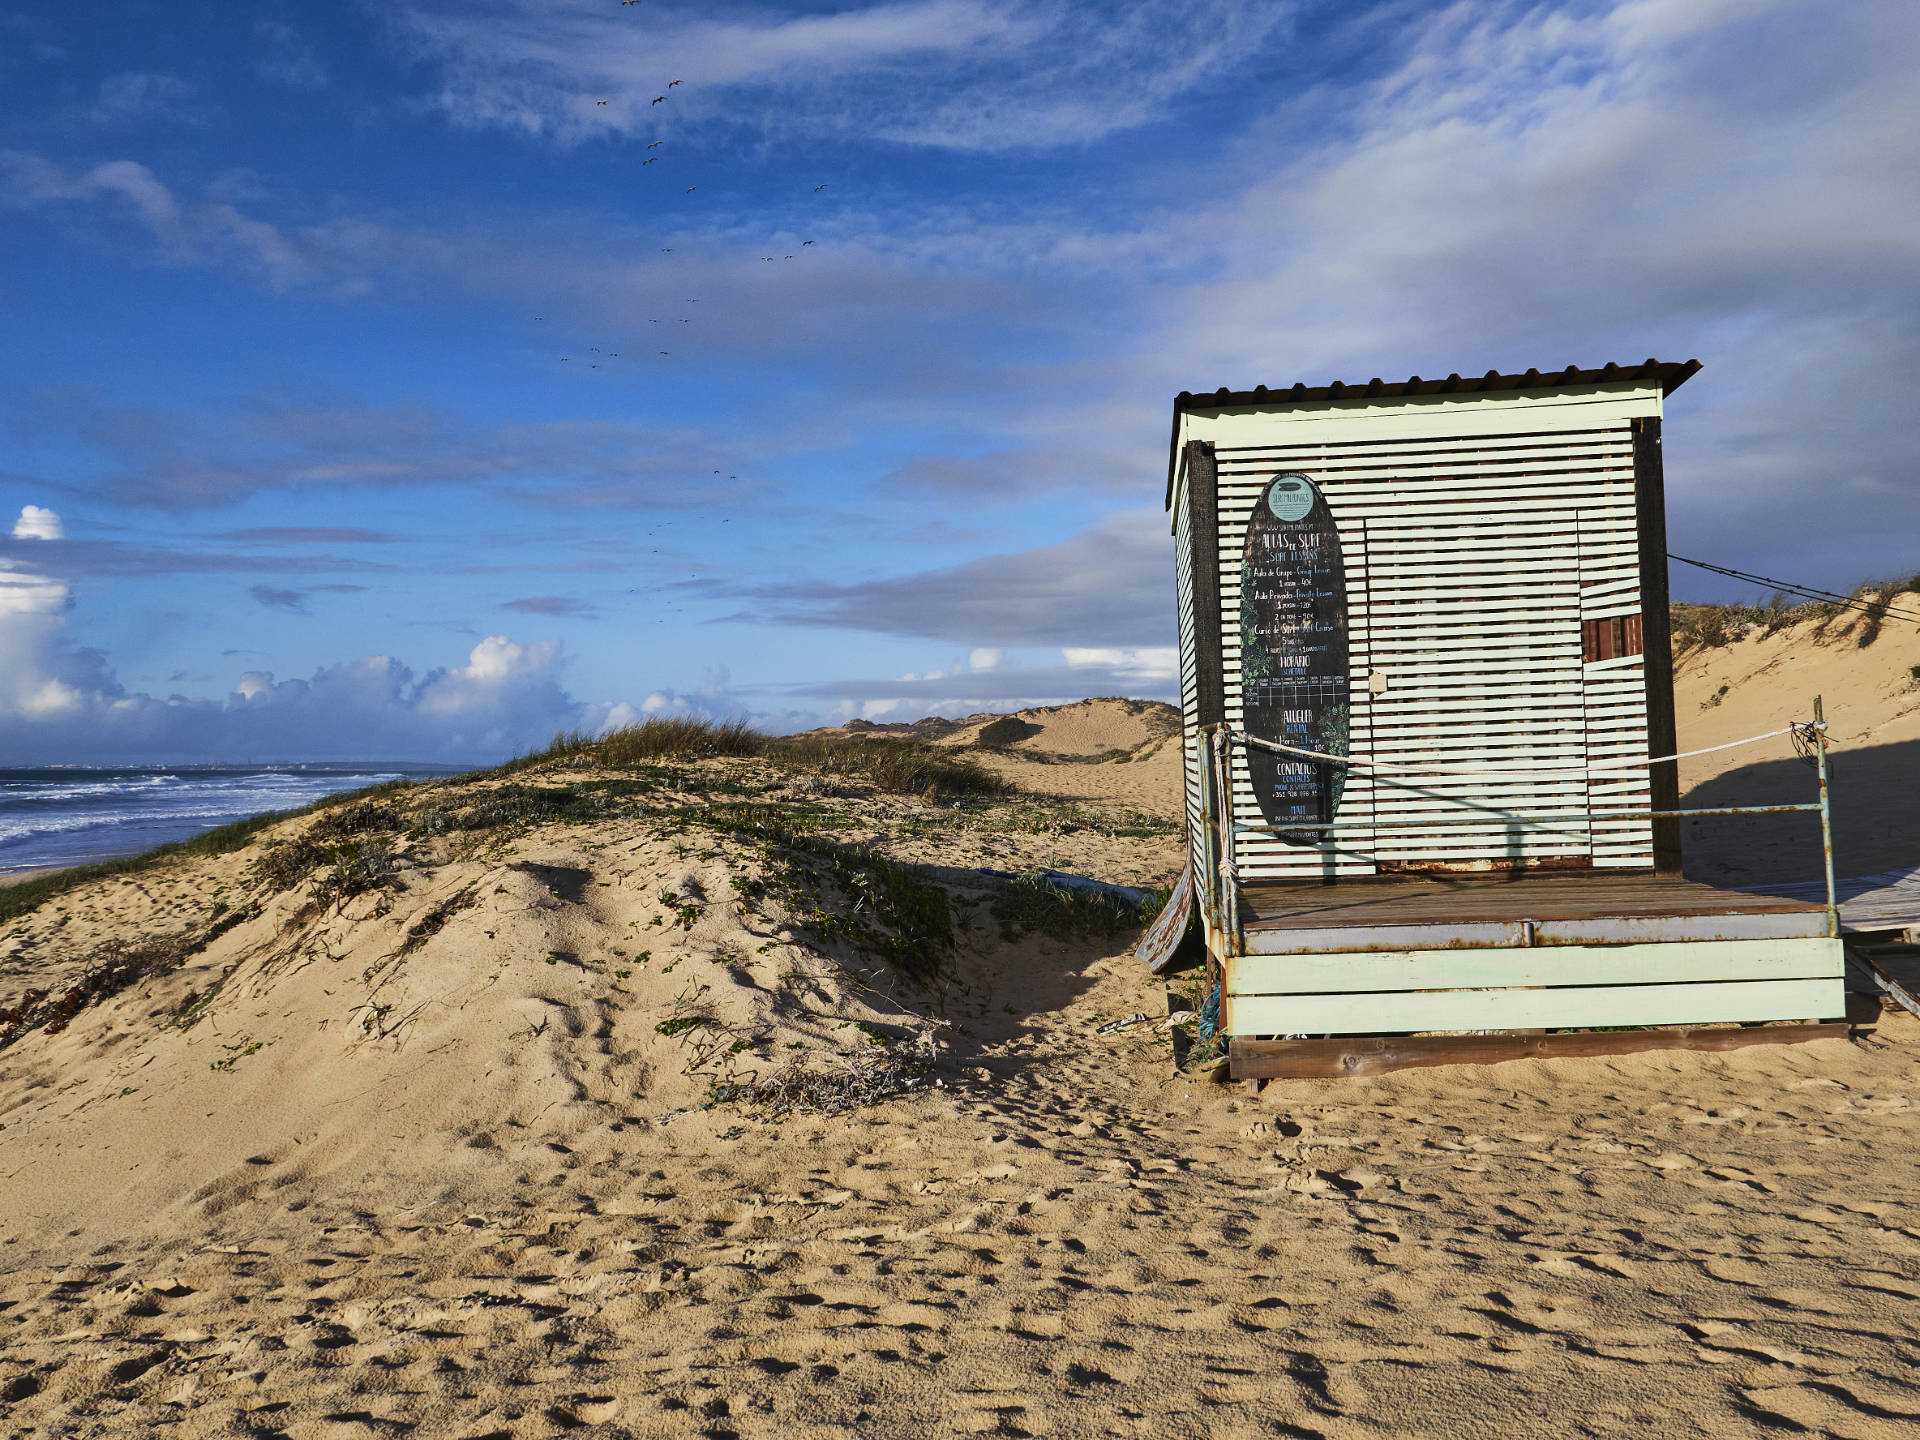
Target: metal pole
x,y
1229,849
1826,815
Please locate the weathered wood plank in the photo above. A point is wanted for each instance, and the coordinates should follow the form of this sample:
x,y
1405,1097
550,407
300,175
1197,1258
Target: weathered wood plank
x,y
1606,932
1204,538
1340,1059
1566,1006
1650,498
1497,897
1668,963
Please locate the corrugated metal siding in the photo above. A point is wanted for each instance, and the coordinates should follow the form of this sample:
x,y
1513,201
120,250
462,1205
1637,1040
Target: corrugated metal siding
x,y
1189,665
1471,561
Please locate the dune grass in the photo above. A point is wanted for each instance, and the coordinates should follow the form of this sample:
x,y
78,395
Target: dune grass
x,y
1034,904
898,766
1710,627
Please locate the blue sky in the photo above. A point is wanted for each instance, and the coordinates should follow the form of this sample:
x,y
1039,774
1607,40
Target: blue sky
x,y
334,370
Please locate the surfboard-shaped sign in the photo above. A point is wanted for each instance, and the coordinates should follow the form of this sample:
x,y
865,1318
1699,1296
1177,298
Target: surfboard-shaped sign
x,y
1294,667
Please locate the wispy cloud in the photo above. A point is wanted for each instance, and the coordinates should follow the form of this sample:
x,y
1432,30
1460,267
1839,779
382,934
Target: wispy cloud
x,y
109,559
953,74
287,58
1109,586
309,535
294,602
333,256
161,459
142,97
554,605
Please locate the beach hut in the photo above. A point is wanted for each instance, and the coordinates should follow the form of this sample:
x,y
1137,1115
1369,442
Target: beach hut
x,y
1424,671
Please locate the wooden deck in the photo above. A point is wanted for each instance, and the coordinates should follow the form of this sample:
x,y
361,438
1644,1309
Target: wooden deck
x,y
1397,956
1469,911
1868,903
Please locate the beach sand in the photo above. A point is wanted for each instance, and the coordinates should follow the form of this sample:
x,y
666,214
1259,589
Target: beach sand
x,y
432,1161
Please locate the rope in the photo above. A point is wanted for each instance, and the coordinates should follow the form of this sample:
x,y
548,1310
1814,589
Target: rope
x,y
1616,767
1807,742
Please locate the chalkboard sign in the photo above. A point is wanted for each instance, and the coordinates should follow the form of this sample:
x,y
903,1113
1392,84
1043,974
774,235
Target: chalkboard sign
x,y
1294,668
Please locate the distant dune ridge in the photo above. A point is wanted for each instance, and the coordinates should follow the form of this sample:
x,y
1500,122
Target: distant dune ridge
x,y
687,1084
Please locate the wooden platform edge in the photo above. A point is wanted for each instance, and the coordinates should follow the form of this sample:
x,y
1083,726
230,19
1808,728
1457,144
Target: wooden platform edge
x,y
1353,1055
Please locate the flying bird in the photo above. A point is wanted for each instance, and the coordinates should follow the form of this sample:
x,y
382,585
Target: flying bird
x,y
650,159
819,188
672,83
692,188
806,242
656,99
656,145
599,102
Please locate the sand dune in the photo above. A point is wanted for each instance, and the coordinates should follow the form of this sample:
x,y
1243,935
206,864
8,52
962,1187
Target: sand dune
x,y
439,1159
1763,682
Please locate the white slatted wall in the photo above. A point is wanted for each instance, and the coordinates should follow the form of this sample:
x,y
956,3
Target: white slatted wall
x,y
1471,561
1189,666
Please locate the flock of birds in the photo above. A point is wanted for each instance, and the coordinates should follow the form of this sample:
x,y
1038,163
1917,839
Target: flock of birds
x,y
668,249
666,595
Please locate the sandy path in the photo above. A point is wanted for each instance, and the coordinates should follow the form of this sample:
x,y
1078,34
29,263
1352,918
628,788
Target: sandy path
x,y
1068,1244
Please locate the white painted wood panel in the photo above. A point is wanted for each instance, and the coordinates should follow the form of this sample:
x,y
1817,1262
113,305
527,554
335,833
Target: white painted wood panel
x,y
1655,963
1496,413
1561,1007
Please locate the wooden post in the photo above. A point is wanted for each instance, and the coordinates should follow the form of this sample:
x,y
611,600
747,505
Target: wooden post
x,y
1650,507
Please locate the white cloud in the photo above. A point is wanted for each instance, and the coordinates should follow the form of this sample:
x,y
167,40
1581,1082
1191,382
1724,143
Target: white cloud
x,y
142,97
1111,584
37,523
1147,663
289,60
336,257
59,703
955,74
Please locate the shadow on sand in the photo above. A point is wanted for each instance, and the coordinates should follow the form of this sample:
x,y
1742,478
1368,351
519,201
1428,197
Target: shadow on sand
x,y
1875,800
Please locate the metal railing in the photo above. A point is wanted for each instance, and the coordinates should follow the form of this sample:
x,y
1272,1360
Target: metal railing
x,y
1219,877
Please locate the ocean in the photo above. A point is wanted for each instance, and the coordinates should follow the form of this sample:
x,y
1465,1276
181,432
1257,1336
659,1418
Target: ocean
x,y
73,815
